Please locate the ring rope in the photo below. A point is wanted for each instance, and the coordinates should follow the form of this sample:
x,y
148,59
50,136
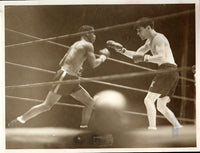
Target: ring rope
x,y
101,82
111,59
96,80
40,101
81,106
129,64
61,45
140,90
27,35
102,29
187,79
102,78
30,67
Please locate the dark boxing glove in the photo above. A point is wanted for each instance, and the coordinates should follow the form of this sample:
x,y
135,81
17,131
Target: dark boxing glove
x,y
116,46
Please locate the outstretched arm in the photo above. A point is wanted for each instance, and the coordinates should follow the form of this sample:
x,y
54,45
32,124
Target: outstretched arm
x,y
120,49
140,51
143,49
128,53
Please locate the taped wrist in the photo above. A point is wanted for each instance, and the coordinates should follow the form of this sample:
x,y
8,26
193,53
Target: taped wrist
x,y
103,58
146,58
123,50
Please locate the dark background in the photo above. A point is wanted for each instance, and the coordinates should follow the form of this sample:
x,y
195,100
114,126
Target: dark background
x,y
50,21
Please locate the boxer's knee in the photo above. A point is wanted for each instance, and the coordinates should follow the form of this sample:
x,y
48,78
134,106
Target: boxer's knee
x,y
51,99
162,104
91,104
148,102
151,98
46,107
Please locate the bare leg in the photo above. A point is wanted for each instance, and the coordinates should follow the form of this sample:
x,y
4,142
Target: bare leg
x,y
162,107
83,96
50,100
149,101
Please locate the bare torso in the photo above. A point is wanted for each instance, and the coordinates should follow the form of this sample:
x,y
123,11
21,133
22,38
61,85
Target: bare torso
x,y
159,46
77,54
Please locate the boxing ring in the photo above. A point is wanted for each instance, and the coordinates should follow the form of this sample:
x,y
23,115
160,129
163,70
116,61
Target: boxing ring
x,y
63,137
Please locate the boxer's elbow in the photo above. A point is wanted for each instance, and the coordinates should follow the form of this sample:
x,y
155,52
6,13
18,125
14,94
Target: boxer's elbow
x,y
95,63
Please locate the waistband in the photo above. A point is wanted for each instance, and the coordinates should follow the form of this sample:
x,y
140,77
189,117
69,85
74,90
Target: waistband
x,y
68,73
167,66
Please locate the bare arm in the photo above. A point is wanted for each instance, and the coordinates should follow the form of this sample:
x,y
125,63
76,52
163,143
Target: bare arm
x,y
62,60
160,49
143,49
128,53
140,51
94,62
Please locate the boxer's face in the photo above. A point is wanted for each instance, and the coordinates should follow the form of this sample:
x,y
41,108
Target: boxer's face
x,y
142,32
92,37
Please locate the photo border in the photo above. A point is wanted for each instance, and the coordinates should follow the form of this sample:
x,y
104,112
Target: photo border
x,y
88,2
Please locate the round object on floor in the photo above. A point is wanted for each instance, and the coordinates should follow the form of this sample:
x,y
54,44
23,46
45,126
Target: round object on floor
x,y
108,114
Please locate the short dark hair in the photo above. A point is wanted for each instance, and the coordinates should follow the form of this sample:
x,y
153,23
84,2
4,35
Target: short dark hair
x,y
144,22
86,28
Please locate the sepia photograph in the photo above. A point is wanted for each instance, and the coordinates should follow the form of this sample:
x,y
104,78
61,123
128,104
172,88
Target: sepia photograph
x,y
111,76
